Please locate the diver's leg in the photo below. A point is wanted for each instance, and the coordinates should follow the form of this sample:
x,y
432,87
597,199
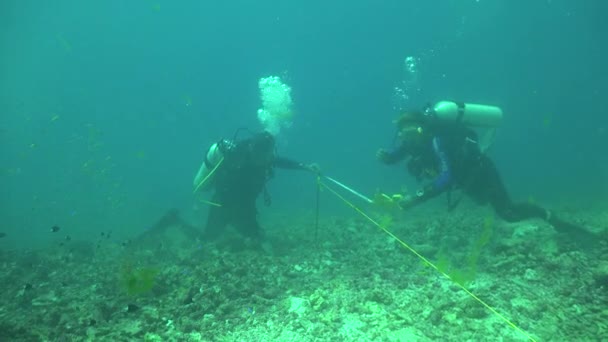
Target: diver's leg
x,y
170,218
516,212
246,222
492,189
489,188
189,230
154,232
217,220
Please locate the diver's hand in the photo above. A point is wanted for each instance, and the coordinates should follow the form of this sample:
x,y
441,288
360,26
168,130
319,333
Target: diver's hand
x,y
313,167
382,155
407,202
385,201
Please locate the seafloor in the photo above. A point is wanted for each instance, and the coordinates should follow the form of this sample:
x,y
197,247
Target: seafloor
x,y
352,282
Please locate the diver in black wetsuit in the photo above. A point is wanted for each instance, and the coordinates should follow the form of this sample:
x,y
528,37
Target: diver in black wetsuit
x,y
246,168
449,155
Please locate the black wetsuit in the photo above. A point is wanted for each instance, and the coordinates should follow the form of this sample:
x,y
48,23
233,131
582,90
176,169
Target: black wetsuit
x,y
237,183
450,157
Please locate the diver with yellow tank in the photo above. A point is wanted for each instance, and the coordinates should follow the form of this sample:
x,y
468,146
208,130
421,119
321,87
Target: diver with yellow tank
x,y
236,172
441,148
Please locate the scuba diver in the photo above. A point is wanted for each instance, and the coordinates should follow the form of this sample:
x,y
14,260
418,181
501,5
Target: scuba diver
x,y
441,146
238,172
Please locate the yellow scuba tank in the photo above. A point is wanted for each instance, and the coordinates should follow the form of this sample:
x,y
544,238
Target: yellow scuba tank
x,y
213,157
477,115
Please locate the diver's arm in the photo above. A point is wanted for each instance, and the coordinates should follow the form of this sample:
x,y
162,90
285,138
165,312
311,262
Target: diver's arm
x,y
439,185
394,156
289,164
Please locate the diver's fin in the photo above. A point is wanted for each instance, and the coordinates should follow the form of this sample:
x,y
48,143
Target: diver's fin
x,y
563,226
573,233
170,218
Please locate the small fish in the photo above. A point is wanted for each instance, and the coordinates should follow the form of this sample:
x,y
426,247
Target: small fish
x,y
2,235
68,238
55,229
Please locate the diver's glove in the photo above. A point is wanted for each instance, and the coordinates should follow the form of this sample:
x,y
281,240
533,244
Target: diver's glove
x,y
382,155
407,202
312,167
385,201
396,201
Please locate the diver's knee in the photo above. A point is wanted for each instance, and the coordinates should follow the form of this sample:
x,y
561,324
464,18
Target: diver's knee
x,y
507,215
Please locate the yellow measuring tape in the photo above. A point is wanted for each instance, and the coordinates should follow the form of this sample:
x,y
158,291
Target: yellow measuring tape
x,y
205,180
427,261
